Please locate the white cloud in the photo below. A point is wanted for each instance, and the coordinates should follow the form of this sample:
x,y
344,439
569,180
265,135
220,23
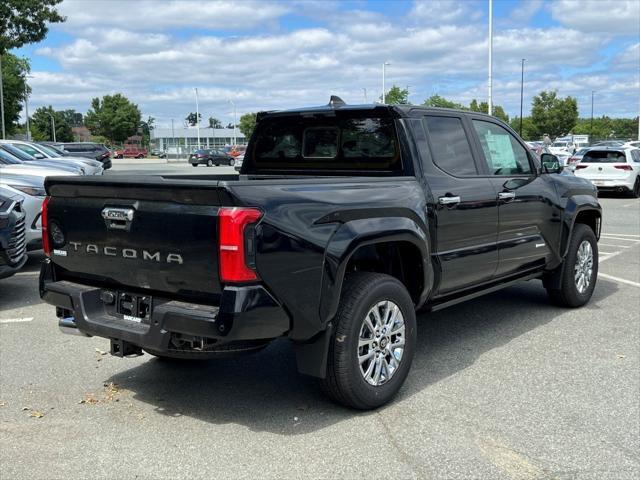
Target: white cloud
x,y
155,15
525,10
613,17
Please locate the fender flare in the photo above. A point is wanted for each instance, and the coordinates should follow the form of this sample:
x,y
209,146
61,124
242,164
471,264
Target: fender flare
x,y
351,236
575,206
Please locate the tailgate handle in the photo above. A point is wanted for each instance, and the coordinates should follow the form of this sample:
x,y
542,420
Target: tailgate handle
x,y
117,218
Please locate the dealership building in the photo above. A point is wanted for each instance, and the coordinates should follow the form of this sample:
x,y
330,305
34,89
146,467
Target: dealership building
x,y
185,139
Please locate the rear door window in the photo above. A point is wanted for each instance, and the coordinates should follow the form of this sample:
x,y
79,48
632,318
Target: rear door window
x,y
635,155
604,156
450,146
503,153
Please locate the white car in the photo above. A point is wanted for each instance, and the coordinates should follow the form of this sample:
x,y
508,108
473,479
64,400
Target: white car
x,y
31,187
612,169
91,167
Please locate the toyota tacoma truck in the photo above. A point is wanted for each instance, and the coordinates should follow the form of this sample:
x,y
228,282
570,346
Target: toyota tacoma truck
x,y
342,223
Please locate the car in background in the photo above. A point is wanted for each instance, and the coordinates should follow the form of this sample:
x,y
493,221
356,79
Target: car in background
x,y
42,152
13,246
8,159
70,165
211,157
577,157
29,185
562,147
131,151
239,162
609,143
95,151
159,153
612,169
632,144
234,151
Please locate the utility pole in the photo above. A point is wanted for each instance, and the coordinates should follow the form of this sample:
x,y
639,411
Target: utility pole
x,y
234,122
173,139
53,126
26,109
490,85
4,135
365,94
197,118
521,93
591,125
384,66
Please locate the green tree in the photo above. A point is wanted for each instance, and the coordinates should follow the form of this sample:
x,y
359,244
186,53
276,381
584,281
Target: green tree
x,y
192,119
552,115
483,107
146,127
25,21
15,89
528,132
42,128
441,102
113,117
214,123
396,96
247,124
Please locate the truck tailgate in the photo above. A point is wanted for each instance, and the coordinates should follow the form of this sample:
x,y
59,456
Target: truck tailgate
x,y
152,234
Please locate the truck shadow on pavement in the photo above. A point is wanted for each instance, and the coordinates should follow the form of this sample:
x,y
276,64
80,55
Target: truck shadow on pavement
x,y
264,392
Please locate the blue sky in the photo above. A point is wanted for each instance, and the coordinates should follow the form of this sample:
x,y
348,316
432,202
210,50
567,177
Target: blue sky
x,y
271,55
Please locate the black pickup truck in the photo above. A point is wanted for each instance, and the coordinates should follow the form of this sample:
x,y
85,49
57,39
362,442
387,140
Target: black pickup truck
x,y
343,222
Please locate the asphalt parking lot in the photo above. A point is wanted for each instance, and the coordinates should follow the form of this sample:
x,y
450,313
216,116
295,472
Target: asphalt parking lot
x,y
505,386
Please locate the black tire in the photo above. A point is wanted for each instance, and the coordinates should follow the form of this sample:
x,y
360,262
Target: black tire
x,y
568,295
232,162
209,163
345,382
635,192
194,164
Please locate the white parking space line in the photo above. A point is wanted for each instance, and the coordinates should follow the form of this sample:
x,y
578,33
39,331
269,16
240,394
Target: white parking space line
x,y
16,320
609,255
27,274
619,280
612,245
619,235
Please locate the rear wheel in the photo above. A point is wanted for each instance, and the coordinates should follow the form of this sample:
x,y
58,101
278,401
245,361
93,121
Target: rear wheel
x,y
232,162
209,163
373,342
194,164
579,269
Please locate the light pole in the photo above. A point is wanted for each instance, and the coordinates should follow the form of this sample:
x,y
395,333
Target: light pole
x,y
234,122
197,117
26,109
384,72
591,124
365,94
2,100
490,85
53,126
521,93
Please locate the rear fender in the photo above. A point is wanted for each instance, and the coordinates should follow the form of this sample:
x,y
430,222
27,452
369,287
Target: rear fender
x,y
351,236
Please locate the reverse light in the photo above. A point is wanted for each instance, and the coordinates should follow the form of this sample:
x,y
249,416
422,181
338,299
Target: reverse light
x,y
236,243
44,220
623,167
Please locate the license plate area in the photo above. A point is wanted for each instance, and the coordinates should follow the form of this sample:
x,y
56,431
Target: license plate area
x,y
132,307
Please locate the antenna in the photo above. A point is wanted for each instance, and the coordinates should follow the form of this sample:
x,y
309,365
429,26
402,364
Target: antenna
x,y
335,102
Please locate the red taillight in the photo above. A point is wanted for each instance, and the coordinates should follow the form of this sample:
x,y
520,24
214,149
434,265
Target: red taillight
x,y
572,160
234,247
44,221
578,167
623,167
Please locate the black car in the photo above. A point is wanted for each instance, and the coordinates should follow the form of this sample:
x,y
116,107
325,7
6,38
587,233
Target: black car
x,y
13,248
95,151
344,221
211,157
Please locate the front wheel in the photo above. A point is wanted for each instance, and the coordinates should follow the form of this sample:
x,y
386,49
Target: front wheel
x,y
209,163
373,341
232,162
635,192
579,269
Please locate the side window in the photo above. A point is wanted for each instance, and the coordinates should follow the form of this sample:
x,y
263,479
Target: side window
x,y
635,154
505,156
450,145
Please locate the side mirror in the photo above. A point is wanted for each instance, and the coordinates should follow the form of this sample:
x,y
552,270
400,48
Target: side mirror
x,y
550,163
39,156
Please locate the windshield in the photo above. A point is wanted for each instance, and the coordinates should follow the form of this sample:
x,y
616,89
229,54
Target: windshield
x,y
57,151
603,157
17,152
559,144
7,159
49,151
341,140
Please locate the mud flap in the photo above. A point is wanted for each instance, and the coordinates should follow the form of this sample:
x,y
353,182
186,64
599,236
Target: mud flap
x,y
311,357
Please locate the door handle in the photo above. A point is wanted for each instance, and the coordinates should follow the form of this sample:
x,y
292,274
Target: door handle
x,y
448,200
506,195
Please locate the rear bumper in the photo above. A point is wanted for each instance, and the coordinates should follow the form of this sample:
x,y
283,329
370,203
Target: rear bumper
x,y
244,313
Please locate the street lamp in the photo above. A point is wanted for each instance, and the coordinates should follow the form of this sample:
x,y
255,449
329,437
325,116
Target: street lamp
x,y
591,124
365,94
26,105
384,71
197,117
521,93
2,101
53,126
490,79
234,122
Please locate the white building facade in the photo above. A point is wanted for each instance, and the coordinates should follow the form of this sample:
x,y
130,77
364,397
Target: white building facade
x,y
185,139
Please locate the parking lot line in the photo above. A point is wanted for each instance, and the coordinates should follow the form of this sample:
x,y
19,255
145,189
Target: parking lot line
x,y
15,320
612,245
619,235
619,280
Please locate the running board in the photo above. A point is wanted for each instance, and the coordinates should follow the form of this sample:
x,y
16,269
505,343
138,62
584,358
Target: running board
x,y
478,293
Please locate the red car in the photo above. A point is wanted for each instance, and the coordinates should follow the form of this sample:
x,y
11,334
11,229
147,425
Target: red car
x,y
132,151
